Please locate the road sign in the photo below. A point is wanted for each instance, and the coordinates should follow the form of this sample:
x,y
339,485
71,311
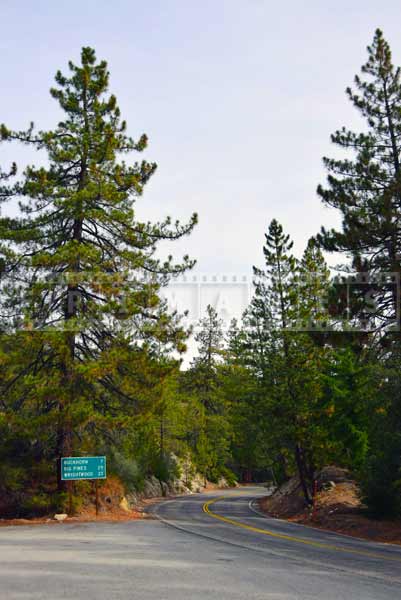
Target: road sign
x,y
83,467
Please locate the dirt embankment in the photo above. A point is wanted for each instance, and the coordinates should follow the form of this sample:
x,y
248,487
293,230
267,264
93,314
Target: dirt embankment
x,y
112,506
115,505
337,508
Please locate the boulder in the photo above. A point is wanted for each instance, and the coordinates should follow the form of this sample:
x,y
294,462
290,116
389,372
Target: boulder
x,y
124,504
198,483
165,488
152,488
333,474
60,517
133,498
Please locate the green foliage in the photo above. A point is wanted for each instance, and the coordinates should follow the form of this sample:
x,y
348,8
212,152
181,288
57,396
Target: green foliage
x,y
350,399
127,470
165,467
88,349
380,474
84,256
291,364
381,482
208,423
366,187
87,337
36,505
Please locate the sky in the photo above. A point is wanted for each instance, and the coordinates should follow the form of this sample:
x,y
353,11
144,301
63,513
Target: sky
x,y
238,98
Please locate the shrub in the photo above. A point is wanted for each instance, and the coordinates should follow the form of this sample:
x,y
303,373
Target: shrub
x,y
36,505
165,468
127,469
381,487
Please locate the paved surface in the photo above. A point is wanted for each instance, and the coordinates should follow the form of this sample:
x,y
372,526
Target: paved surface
x,y
220,551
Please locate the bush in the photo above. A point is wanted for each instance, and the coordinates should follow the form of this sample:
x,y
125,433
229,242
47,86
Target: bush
x,y
228,476
36,505
127,470
381,487
165,468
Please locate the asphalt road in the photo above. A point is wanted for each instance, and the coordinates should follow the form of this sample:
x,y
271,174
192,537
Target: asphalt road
x,y
206,546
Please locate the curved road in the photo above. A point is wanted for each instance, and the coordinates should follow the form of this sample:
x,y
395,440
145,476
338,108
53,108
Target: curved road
x,y
315,563
203,547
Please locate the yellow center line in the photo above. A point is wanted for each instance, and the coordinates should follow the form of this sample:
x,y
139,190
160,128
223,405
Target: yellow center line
x,y
290,538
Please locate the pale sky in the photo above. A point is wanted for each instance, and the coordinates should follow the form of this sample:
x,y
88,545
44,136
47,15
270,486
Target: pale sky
x,y
238,99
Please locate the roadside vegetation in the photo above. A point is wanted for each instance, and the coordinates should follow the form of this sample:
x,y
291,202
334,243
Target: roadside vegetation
x,y
90,355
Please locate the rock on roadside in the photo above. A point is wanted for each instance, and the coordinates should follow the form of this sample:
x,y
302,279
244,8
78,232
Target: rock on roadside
x,y
60,517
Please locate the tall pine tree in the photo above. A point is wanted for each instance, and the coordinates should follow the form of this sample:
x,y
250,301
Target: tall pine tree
x,y
366,187
82,277
289,292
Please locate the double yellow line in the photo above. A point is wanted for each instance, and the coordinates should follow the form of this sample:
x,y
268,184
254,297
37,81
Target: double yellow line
x,y
290,538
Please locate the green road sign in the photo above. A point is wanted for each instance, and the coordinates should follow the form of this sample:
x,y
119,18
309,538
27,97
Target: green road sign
x,y
83,467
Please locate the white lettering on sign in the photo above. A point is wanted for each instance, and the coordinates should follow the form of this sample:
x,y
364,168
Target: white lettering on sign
x,y
91,467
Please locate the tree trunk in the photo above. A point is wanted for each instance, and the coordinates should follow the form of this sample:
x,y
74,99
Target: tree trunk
x,y
299,457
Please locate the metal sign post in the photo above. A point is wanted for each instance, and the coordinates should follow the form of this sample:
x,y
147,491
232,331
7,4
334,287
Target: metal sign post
x,y
97,497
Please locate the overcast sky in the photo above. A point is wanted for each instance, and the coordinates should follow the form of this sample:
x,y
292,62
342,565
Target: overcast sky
x,y
238,99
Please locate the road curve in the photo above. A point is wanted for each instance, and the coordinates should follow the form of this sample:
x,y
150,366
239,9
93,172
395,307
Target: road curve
x,y
369,570
210,546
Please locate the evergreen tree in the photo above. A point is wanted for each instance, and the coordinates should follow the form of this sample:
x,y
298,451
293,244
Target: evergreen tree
x,y
349,403
313,288
81,268
366,189
292,398
279,273
209,338
241,386
4,176
202,385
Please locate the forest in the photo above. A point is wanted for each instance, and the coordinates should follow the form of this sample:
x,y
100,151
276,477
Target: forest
x,y
91,357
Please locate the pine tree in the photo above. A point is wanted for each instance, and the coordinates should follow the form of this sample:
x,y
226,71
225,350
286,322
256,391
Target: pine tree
x,y
272,302
202,385
293,361
313,288
82,274
241,386
4,176
279,272
366,189
209,338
